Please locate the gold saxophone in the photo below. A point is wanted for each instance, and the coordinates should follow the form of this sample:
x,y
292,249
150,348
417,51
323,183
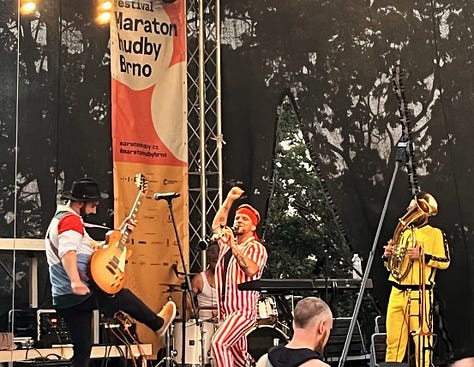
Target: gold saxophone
x,y
399,264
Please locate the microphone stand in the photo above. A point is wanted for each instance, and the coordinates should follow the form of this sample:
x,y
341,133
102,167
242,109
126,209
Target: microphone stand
x,y
187,287
400,157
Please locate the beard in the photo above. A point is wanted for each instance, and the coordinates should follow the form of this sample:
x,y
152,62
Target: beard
x,y
82,212
420,221
237,231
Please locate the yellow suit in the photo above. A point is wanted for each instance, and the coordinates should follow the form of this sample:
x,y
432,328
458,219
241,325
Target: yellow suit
x,y
404,311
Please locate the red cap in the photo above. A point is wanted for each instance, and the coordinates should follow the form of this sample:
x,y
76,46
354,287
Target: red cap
x,y
249,211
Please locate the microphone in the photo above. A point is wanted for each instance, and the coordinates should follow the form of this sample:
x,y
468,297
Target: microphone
x,y
166,195
207,241
234,230
203,243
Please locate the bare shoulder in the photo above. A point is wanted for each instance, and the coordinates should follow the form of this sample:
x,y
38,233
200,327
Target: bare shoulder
x,y
197,282
314,363
262,362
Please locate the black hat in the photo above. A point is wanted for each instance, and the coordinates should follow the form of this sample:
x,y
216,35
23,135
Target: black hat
x,y
84,189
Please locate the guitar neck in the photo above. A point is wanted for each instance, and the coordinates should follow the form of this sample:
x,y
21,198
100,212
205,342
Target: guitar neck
x,y
132,215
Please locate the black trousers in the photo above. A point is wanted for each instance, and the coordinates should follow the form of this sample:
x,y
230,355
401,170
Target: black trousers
x,y
79,319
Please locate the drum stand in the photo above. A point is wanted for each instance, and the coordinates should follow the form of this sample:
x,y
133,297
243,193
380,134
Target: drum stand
x,y
202,335
168,359
200,324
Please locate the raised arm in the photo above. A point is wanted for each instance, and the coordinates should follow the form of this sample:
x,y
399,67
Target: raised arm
x,y
223,212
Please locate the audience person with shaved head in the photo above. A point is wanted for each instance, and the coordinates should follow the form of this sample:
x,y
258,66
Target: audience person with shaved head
x,y
312,323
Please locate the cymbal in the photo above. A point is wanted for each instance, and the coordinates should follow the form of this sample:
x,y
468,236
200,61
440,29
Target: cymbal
x,y
171,284
172,290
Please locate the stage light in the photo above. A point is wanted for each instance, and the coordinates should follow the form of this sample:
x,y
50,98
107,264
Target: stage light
x,y
103,18
27,7
103,11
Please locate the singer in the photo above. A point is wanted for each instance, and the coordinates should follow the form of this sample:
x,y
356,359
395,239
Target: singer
x,y
241,259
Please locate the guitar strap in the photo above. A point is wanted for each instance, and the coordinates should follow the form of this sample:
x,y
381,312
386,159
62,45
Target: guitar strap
x,y
59,215
93,225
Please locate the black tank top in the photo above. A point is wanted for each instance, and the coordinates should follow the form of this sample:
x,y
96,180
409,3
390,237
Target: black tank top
x,y
281,356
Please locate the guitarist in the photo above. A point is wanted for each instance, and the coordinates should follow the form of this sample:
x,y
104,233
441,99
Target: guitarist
x,y
68,250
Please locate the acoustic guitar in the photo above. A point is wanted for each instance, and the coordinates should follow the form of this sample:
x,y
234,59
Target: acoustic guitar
x,y
107,264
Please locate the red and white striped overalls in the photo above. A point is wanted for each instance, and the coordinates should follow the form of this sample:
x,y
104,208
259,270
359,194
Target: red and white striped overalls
x,y
237,309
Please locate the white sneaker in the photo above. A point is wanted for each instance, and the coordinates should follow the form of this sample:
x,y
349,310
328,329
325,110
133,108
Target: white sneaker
x,y
167,313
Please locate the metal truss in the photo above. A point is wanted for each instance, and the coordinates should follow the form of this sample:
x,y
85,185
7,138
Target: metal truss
x,y
204,123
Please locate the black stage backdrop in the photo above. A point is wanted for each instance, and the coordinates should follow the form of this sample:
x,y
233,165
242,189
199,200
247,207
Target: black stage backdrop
x,y
334,57
59,129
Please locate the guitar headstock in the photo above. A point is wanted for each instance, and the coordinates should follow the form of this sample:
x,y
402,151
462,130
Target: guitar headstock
x,y
141,182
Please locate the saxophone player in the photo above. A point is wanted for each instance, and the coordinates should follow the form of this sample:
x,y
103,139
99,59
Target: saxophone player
x,y
414,254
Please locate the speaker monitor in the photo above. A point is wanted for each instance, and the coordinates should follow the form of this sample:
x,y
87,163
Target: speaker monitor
x,y
23,322
52,328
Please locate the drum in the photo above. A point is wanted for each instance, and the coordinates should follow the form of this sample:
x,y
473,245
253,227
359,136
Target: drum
x,y
267,313
263,337
195,351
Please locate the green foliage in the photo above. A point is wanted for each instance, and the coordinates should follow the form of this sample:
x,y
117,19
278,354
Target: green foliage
x,y
302,236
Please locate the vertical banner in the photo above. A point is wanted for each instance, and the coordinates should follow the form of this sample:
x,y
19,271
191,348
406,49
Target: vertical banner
x,y
149,137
